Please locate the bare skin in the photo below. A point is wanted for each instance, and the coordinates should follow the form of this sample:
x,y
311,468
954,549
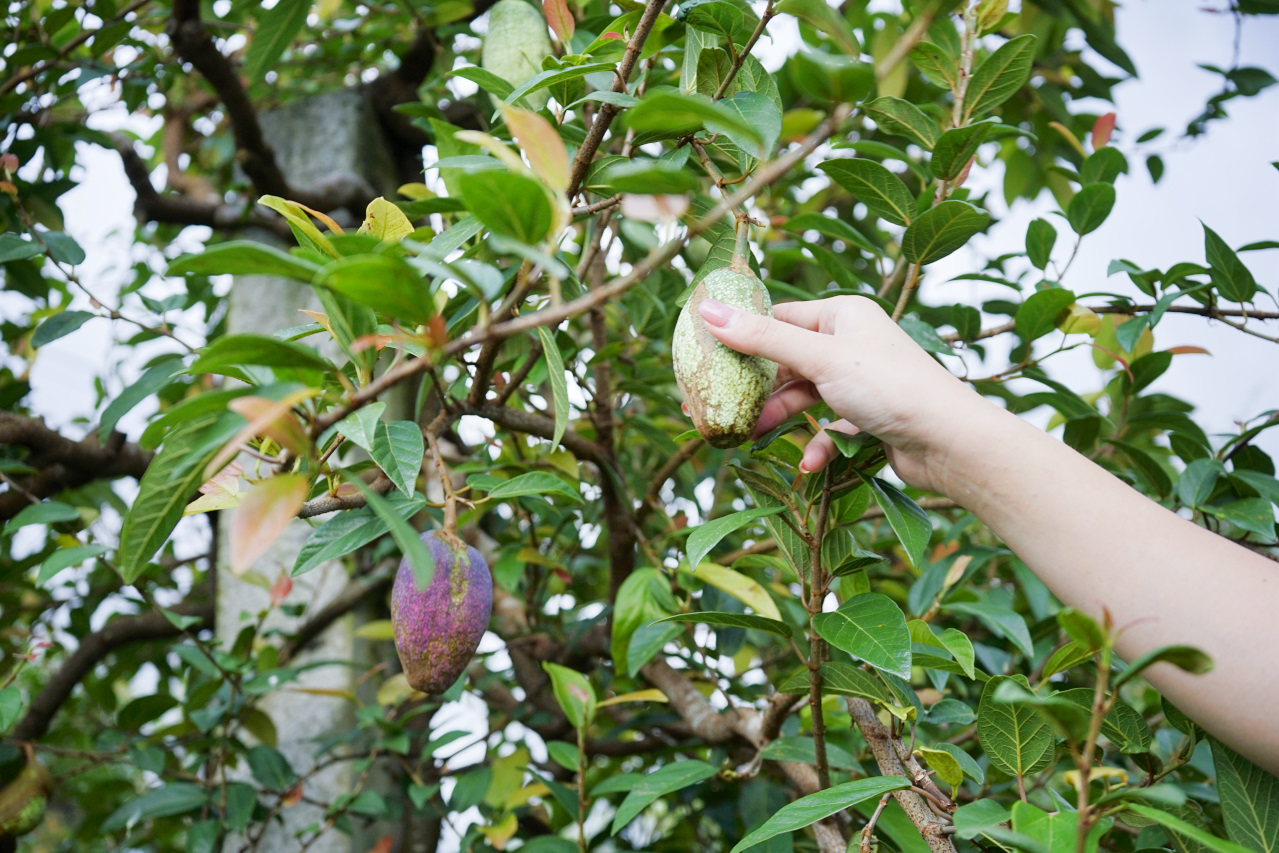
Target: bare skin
x,y
1096,542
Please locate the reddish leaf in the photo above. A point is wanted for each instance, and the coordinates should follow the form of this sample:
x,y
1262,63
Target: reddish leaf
x,y
263,513
437,332
560,19
9,162
227,482
1101,130
1187,349
280,425
257,424
293,796
281,588
541,143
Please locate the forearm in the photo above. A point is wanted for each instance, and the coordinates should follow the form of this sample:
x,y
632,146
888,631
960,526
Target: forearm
x,y
1097,543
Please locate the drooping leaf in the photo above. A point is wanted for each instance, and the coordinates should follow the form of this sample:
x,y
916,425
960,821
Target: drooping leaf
x,y
907,519
559,383
808,810
870,627
665,780
706,536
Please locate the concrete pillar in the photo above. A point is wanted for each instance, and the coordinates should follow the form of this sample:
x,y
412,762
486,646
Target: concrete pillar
x,y
328,140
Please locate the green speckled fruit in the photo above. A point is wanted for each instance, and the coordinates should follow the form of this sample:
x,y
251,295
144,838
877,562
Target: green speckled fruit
x,y
24,800
515,46
724,390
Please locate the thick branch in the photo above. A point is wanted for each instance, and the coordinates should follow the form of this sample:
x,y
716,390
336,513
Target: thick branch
x,y
121,631
62,463
153,206
603,118
880,739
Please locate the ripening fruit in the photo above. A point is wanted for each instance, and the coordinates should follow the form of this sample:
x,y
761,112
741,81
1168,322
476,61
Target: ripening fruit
x,y
515,46
724,390
438,629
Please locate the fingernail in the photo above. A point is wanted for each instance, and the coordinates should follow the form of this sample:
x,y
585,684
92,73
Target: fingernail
x,y
714,312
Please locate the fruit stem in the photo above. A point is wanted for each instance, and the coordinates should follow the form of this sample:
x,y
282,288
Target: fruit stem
x,y
741,249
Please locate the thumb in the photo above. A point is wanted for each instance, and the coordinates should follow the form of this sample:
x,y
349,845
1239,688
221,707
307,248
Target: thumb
x,y
798,349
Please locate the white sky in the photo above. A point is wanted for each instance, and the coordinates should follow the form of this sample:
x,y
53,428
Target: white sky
x,y
1225,179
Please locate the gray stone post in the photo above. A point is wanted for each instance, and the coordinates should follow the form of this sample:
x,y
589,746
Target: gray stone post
x,y
330,140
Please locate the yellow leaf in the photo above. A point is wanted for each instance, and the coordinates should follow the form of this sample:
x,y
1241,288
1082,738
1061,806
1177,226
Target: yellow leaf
x,y
744,589
415,192
523,795
1080,320
331,692
385,221
650,695
501,832
378,629
297,217
395,690
1071,777
507,778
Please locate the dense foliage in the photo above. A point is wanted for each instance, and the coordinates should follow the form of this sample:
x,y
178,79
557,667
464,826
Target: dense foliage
x,y
686,641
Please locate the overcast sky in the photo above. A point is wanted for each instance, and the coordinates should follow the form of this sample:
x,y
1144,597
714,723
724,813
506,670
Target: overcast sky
x,y
1225,179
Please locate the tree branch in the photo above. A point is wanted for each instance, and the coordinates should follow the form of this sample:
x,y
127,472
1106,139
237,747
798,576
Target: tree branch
x,y
603,118
351,596
63,463
120,631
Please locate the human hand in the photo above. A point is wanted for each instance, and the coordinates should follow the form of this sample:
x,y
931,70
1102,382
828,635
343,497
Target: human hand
x,y
846,351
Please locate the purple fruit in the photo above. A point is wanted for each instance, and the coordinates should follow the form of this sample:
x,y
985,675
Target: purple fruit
x,y
438,629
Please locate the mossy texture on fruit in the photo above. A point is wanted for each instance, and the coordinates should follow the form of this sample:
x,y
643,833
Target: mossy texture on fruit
x,y
438,629
515,46
725,390
24,800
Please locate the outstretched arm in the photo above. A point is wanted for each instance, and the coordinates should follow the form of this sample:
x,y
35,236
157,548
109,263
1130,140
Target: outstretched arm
x,y
1096,542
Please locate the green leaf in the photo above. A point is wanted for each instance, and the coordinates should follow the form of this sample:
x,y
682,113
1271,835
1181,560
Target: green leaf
x,y
674,114
807,811
224,355
843,679
15,248
1003,621
172,799
942,229
532,483
1015,737
62,247
555,373
1255,515
411,545
643,597
270,767
972,819
659,783
244,257
65,558
870,627
1249,799
803,751
1230,277
956,147
647,177
833,228
874,186
902,118
1186,658
946,765
1041,236
1038,315
348,531
935,63
171,479
1189,830
398,450
360,427
512,205
276,28
1000,76
908,521
1081,628
757,111
10,707
554,77
706,536
45,512
148,383
574,693
486,80
1090,207
821,15
59,325
384,283
733,620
